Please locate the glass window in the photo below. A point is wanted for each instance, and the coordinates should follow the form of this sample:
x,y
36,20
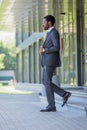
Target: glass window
x,y
20,68
85,42
25,29
35,18
17,33
67,28
26,66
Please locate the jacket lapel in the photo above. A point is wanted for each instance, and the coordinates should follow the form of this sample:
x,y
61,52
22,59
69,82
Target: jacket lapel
x,y
48,34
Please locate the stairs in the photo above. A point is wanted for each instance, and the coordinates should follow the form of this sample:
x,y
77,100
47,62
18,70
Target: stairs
x,y
77,101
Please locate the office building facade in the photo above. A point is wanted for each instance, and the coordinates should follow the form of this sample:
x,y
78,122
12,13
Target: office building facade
x,y
71,22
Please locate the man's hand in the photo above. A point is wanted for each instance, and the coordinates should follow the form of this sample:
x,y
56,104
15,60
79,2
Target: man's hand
x,y
42,50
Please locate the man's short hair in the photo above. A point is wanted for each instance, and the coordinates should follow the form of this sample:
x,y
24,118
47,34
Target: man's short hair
x,y
50,18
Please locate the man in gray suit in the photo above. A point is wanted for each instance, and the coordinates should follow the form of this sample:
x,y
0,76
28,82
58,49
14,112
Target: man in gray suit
x,y
50,59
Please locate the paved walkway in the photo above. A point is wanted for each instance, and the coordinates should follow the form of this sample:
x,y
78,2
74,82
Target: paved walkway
x,y
21,112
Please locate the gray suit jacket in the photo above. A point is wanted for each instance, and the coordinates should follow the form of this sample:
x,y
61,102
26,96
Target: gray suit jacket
x,y
51,57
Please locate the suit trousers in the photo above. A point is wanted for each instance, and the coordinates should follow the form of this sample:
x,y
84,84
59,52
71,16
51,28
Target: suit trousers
x,y
50,87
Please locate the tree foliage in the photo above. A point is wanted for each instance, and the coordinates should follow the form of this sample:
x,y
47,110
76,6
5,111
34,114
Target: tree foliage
x,y
7,57
2,66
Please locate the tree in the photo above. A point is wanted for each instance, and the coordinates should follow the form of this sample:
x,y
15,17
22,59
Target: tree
x,y
2,66
8,60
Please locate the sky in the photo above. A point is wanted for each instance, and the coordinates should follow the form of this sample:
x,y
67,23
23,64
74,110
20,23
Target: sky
x,y
6,36
0,2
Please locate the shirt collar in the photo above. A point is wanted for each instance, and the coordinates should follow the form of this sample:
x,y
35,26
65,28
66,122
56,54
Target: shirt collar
x,y
50,29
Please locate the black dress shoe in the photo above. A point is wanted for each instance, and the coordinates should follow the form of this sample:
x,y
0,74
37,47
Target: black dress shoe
x,y
48,109
65,98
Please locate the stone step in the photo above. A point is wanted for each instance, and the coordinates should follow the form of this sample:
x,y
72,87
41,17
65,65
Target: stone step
x,y
78,100
74,103
75,106
81,94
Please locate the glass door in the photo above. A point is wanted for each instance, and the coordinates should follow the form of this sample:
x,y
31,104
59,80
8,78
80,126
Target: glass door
x,y
85,56
85,43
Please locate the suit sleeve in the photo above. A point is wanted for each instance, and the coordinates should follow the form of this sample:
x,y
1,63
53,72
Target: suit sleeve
x,y
55,43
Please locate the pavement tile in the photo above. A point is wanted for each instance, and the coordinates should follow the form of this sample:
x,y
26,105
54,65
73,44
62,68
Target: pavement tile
x,y
22,112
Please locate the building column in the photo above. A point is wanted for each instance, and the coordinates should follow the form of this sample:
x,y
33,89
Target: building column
x,y
80,48
29,62
23,66
17,66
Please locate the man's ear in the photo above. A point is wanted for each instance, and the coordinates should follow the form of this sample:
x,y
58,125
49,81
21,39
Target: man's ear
x,y
49,23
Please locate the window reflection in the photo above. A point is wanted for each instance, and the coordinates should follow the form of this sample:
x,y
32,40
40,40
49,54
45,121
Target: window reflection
x,y
68,36
85,42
